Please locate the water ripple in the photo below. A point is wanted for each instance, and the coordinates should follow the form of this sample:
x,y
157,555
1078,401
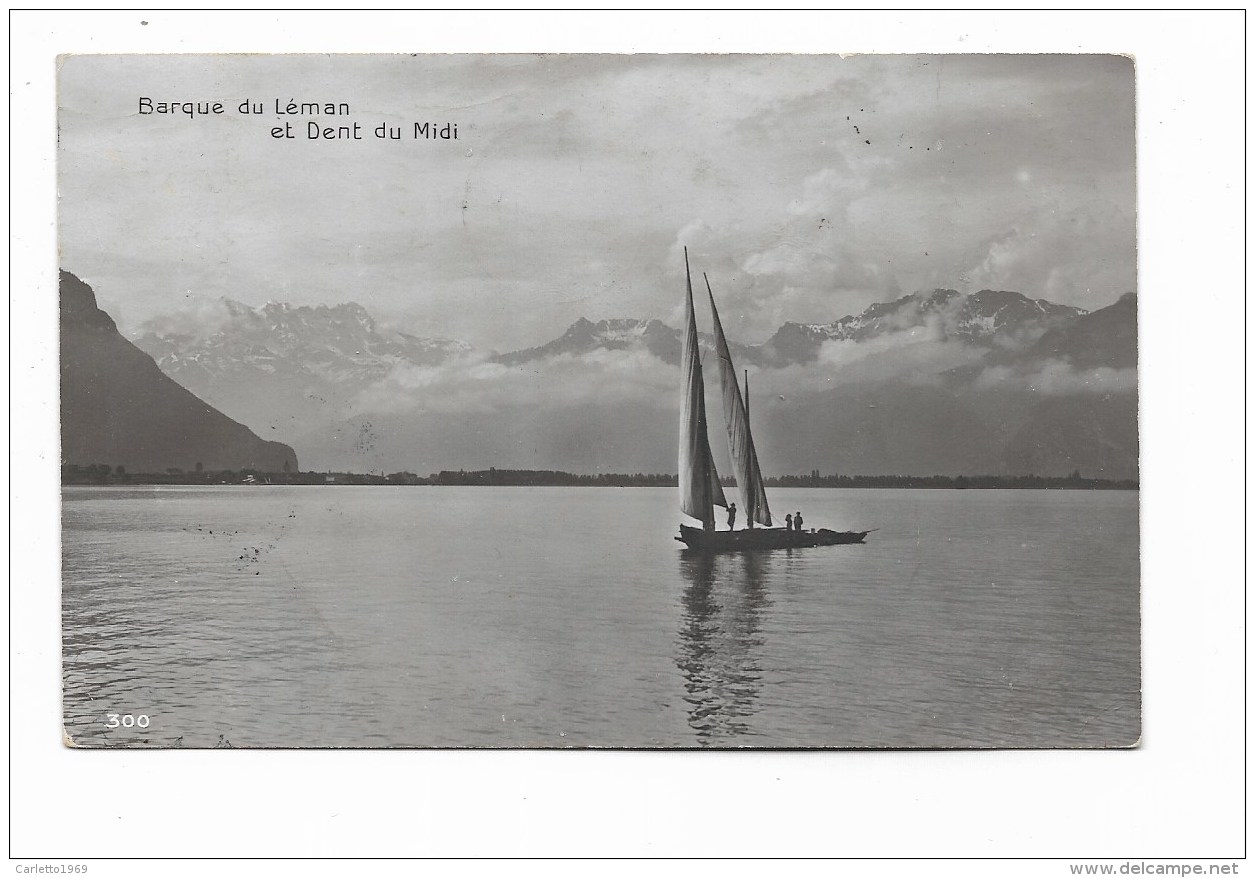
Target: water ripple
x,y
373,617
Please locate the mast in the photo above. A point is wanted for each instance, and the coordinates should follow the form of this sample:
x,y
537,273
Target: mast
x,y
749,478
700,490
749,515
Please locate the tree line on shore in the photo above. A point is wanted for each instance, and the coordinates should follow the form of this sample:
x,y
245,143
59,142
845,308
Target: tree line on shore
x,y
104,474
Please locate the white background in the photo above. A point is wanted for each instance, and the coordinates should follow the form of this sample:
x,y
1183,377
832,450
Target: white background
x,y
1179,796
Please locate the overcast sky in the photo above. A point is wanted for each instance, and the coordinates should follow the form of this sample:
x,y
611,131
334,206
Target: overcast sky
x,y
807,186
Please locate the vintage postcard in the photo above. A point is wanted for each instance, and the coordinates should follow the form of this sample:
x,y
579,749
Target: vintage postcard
x,y
585,401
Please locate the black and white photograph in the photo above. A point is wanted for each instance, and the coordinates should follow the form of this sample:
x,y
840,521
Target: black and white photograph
x,y
578,435
587,400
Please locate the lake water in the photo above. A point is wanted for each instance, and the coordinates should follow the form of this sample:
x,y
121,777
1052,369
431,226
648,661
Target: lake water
x,y
558,617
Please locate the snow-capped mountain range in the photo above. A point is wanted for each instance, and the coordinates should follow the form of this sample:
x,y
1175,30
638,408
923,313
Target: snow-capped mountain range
x,y
343,343
340,343
987,318
934,382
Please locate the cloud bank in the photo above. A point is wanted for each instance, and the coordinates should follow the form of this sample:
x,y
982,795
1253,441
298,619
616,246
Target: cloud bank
x,y
807,186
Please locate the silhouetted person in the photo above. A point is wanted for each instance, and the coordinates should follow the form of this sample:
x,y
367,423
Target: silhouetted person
x,y
731,515
797,521
788,522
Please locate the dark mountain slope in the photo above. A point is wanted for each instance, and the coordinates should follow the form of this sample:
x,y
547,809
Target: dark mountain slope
x,y
1106,337
1091,432
118,408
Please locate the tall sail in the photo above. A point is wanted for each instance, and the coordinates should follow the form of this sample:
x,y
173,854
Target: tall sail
x,y
749,477
700,491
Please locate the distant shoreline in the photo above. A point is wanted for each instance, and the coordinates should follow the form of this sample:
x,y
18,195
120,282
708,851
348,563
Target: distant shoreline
x,y
101,474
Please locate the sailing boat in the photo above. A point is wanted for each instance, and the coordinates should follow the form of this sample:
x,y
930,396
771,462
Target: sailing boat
x,y
700,490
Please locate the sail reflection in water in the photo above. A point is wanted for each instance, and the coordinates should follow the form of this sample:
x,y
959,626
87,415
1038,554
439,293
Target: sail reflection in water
x,y
720,642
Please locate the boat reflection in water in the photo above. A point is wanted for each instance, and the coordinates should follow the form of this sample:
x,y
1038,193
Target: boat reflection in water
x,y
720,642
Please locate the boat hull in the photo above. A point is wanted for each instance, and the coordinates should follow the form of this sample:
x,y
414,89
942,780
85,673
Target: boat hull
x,y
764,539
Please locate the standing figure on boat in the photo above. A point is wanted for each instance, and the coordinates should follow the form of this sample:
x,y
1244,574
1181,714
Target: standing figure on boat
x,y
700,487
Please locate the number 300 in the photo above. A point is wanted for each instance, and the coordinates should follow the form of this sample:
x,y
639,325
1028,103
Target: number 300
x,y
127,721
